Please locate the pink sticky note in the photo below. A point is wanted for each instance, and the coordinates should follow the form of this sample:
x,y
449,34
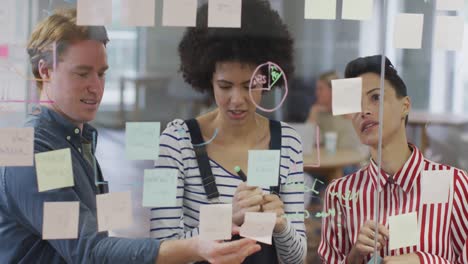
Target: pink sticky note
x,y
60,220
114,211
16,146
4,51
215,221
258,226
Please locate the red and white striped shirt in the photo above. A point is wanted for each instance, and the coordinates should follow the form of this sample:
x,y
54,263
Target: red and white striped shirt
x,y
443,227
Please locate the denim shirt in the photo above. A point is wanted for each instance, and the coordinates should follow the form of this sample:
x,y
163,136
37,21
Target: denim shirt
x,y
21,206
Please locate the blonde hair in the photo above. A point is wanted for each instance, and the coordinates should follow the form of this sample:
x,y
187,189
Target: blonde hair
x,y
327,77
57,32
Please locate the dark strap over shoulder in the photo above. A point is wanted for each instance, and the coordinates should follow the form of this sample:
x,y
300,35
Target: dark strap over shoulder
x,y
208,179
275,143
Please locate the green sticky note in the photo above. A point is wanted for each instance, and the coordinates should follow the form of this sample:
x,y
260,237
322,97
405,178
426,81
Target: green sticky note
x,y
54,170
142,140
160,188
263,168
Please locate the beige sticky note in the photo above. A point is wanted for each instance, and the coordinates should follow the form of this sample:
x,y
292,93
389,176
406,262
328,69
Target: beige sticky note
x,y
449,4
346,96
435,186
94,13
449,32
179,13
258,226
137,12
60,220
114,211
403,230
16,146
357,9
54,170
224,13
215,221
320,9
408,31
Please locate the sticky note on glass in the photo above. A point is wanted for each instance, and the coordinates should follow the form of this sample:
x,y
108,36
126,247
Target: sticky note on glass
x,y
60,220
179,13
435,186
215,221
114,211
160,188
320,9
94,13
4,51
357,9
346,96
258,226
375,260
224,13
449,4
54,170
403,230
449,32
138,12
16,146
142,140
263,168
408,31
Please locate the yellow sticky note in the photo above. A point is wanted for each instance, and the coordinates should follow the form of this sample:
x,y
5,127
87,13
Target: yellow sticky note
x,y
94,13
60,220
403,230
54,170
357,9
224,13
408,31
215,221
114,211
346,96
258,226
142,140
179,13
320,9
16,146
160,188
263,170
449,32
138,12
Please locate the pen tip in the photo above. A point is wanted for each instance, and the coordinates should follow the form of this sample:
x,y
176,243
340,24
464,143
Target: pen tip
x,y
237,168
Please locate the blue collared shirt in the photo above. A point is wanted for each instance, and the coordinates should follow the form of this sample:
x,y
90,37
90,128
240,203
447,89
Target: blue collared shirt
x,y
21,206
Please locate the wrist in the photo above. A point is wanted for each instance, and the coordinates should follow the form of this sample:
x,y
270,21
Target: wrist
x,y
354,257
193,248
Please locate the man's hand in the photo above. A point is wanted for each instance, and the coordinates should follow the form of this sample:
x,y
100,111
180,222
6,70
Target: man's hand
x,y
365,241
246,199
273,204
226,252
402,259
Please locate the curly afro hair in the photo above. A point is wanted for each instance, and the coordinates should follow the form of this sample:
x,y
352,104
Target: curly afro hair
x,y
263,37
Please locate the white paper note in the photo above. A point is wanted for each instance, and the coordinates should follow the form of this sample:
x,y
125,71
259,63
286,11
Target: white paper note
x,y
408,31
60,220
449,32
179,13
320,9
54,170
357,9
435,186
449,4
215,221
403,230
258,226
263,170
114,211
137,12
16,146
346,96
94,13
224,13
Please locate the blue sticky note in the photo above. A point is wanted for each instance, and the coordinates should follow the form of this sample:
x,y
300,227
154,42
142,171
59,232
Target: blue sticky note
x,y
372,260
263,170
142,140
160,188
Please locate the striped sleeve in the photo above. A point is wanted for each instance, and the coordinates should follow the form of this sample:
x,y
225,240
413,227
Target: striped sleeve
x,y
168,222
459,224
291,243
335,243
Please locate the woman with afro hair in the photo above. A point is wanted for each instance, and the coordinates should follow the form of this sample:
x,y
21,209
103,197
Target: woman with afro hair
x,y
221,62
